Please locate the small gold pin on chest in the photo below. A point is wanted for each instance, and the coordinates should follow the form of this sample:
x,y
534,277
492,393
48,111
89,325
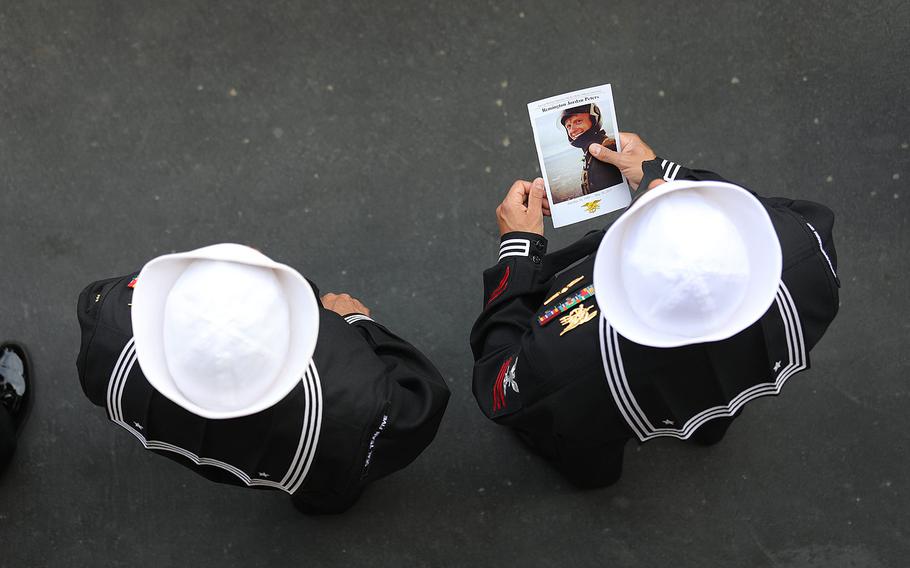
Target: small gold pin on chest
x,y
565,289
581,314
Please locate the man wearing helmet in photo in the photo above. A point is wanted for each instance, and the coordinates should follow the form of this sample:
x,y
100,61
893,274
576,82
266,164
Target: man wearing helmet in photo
x,y
229,363
700,297
584,126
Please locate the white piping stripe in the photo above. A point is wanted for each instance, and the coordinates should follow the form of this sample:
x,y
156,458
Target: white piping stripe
x,y
822,248
306,450
525,246
633,419
314,426
116,370
118,391
314,430
758,390
663,165
125,368
761,389
515,242
622,374
643,424
617,396
638,420
110,381
669,166
294,477
114,385
163,446
610,367
357,317
798,326
755,391
514,247
788,322
291,473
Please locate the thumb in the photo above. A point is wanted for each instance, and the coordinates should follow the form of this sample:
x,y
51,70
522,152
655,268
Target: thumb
x,y
604,154
535,198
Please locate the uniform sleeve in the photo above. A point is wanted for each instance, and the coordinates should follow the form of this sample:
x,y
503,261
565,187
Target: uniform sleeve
x,y
417,400
805,229
820,220
514,290
92,363
673,171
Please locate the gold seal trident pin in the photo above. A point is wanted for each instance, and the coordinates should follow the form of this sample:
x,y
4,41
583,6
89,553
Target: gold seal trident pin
x,y
576,317
592,206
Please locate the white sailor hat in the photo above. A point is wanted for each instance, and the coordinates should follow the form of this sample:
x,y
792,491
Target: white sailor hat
x,y
223,331
689,262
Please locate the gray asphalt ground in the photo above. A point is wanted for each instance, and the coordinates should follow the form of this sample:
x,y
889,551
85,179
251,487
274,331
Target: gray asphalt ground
x,y
367,144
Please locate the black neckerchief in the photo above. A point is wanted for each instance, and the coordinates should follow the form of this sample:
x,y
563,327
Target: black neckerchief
x,y
588,137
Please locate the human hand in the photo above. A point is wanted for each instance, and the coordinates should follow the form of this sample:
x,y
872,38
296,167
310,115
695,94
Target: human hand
x,y
343,304
523,208
634,152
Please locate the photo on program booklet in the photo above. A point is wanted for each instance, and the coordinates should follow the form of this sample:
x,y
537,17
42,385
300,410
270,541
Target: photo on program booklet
x,y
579,186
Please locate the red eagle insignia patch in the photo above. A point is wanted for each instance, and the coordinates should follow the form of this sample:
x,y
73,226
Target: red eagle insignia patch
x,y
504,381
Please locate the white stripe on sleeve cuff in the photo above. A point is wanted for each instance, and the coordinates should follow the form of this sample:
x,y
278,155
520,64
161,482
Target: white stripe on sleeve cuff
x,y
671,170
353,318
514,247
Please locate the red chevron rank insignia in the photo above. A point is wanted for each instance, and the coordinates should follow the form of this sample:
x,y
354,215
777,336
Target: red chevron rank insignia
x,y
500,288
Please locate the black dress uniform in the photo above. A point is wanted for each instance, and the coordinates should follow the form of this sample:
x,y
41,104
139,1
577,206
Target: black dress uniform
x,y
551,368
368,404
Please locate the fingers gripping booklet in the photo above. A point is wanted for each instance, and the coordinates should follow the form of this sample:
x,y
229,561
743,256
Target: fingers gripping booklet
x,y
579,186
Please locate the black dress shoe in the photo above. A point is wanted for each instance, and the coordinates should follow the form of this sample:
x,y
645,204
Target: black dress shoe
x,y
15,386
